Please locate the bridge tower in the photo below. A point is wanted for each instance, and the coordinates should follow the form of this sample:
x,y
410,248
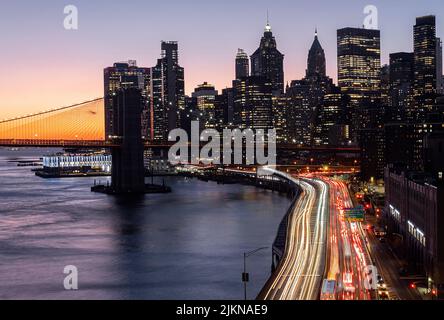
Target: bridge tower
x,y
128,172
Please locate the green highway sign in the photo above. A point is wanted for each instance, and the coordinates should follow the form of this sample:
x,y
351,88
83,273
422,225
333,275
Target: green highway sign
x,y
355,214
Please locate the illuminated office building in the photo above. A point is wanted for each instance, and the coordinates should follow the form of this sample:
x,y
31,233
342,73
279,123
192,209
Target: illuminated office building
x,y
167,92
242,64
359,68
126,75
205,95
385,85
253,103
279,112
425,78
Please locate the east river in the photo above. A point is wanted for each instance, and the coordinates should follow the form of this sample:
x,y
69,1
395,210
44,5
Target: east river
x,y
188,244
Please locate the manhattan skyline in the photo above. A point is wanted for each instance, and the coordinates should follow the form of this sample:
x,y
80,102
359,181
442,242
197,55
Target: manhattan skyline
x,y
146,144
65,66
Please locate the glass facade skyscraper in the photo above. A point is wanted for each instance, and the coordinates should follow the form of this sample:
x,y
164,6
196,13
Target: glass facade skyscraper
x,y
359,62
126,75
205,95
167,92
242,64
253,103
359,67
425,52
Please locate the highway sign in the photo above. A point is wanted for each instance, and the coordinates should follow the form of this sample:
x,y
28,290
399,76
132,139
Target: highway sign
x,y
354,214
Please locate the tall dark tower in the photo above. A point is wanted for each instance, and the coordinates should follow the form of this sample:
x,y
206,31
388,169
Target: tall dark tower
x,y
316,60
242,64
167,92
268,62
439,75
128,172
401,83
424,34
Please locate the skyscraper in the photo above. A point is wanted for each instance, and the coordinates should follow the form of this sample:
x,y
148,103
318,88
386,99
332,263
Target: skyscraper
x,y
372,139
428,54
242,64
439,75
253,103
401,84
316,66
385,85
225,108
300,114
126,75
279,111
305,98
425,52
359,67
268,62
167,92
205,95
332,119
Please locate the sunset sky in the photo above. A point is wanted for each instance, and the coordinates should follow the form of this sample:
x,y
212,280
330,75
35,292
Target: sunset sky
x,y
45,66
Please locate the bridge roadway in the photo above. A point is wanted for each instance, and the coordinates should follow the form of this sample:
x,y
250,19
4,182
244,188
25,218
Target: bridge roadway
x,y
300,273
147,145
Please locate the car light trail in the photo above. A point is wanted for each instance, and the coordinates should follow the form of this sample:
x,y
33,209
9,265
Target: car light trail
x,y
300,272
348,257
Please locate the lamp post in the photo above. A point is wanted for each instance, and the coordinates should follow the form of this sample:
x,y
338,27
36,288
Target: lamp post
x,y
245,275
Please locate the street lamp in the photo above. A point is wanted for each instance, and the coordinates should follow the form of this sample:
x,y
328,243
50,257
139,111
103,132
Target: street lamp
x,y
245,275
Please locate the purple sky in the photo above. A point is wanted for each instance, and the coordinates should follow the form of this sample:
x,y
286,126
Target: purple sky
x,y
45,66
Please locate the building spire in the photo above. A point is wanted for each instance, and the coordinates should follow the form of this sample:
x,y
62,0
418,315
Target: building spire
x,y
267,26
316,58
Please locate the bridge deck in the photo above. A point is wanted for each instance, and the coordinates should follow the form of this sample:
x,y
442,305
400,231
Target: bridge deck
x,y
110,144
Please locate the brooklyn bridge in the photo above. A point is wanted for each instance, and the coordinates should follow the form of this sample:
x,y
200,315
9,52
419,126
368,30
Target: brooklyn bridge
x,y
83,126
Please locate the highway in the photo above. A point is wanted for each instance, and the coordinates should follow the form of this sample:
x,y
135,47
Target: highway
x,y
348,254
301,271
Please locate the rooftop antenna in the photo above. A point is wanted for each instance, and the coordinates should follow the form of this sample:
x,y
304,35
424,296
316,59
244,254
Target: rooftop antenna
x,y
268,27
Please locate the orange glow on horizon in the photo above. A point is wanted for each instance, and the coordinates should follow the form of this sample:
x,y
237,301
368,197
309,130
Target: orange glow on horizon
x,y
83,122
